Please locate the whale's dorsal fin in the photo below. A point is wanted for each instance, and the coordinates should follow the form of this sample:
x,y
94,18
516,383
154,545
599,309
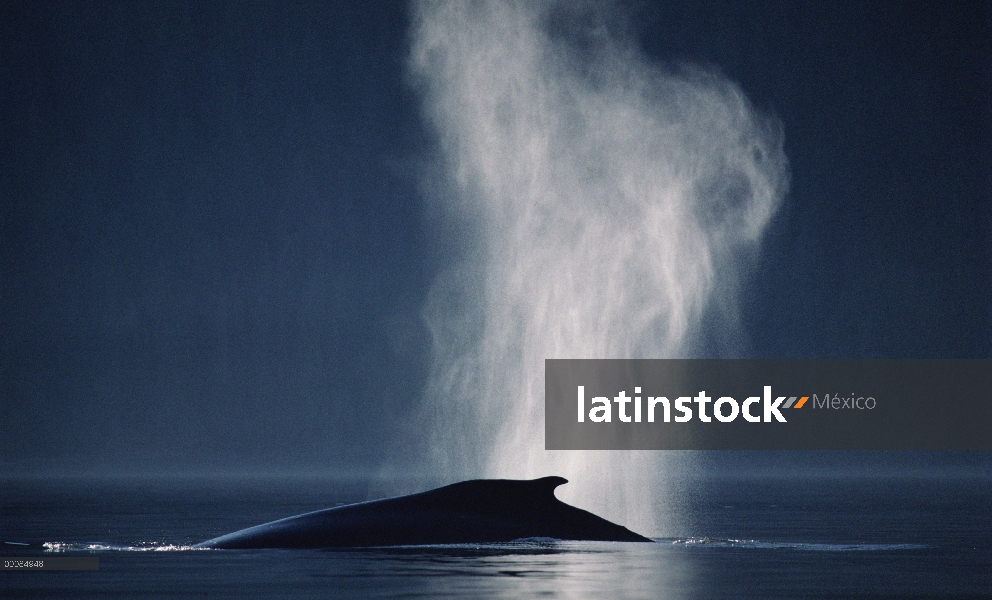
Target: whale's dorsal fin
x,y
495,494
544,485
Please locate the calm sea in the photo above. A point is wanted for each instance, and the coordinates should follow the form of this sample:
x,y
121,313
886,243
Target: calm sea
x,y
755,537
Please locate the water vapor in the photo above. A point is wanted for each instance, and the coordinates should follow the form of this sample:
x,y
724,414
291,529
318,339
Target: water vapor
x,y
602,203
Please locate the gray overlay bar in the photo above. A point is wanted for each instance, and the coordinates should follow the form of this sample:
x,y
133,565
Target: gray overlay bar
x,y
850,404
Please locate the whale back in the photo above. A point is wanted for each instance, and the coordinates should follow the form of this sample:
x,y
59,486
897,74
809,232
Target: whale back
x,y
490,496
477,511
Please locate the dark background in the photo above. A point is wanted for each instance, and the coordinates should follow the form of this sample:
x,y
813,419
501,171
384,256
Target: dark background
x,y
213,252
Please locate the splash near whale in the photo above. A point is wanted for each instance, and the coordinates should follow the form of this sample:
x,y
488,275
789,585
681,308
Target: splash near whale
x,y
592,202
477,511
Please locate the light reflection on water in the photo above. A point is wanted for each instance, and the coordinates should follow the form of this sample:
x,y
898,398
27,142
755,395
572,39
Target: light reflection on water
x,y
546,569
669,568
524,547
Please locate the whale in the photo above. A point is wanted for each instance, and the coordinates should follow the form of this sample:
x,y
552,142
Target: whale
x,y
469,512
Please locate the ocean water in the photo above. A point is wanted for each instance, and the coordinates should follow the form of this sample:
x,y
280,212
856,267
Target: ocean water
x,y
730,537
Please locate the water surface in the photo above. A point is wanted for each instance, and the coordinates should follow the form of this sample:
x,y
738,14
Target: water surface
x,y
729,537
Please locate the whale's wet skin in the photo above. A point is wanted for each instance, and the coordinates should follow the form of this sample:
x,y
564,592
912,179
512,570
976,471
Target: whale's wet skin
x,y
479,511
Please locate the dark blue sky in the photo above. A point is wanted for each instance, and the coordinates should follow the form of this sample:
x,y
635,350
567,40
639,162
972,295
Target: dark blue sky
x,y
213,248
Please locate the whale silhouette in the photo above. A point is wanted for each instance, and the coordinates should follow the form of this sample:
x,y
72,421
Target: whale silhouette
x,y
477,511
